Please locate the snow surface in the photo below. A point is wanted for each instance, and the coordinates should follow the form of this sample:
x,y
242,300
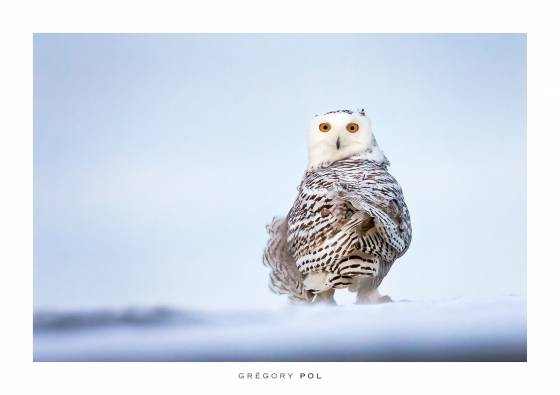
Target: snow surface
x,y
490,329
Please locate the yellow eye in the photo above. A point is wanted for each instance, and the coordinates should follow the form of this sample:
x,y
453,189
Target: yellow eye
x,y
325,127
352,127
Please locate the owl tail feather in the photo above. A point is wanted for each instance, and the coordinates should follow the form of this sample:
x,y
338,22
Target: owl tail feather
x,y
285,278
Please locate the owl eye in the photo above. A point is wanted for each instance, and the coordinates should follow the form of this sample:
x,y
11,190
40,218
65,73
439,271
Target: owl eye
x,y
325,127
352,127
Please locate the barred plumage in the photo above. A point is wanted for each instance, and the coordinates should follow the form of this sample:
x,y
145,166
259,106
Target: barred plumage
x,y
285,278
349,222
349,218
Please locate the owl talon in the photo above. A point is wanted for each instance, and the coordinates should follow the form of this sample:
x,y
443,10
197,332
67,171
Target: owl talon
x,y
377,300
326,297
367,295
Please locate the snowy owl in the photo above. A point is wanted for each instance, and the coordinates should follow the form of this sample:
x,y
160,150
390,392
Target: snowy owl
x,y
349,222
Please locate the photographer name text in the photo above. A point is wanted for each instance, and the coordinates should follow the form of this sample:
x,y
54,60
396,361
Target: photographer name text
x,y
279,376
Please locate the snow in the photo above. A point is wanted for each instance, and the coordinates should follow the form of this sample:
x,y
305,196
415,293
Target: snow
x,y
484,329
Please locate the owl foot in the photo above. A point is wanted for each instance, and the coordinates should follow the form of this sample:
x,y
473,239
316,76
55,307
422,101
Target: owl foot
x,y
326,297
372,297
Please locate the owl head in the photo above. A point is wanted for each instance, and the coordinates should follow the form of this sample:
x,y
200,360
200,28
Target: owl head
x,y
341,134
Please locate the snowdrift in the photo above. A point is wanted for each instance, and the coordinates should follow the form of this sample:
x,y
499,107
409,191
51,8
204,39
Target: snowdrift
x,y
491,329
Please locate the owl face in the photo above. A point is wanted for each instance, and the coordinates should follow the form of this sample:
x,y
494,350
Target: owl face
x,y
337,135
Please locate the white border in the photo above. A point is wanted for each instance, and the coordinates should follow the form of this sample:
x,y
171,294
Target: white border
x,y
19,20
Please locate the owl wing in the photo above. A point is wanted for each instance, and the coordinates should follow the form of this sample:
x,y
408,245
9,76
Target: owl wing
x,y
351,206
285,277
379,195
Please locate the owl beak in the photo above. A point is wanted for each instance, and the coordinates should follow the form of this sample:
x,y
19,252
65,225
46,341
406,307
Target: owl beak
x,y
338,142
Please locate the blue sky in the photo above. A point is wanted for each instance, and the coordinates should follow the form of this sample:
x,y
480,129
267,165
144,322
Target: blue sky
x,y
158,159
